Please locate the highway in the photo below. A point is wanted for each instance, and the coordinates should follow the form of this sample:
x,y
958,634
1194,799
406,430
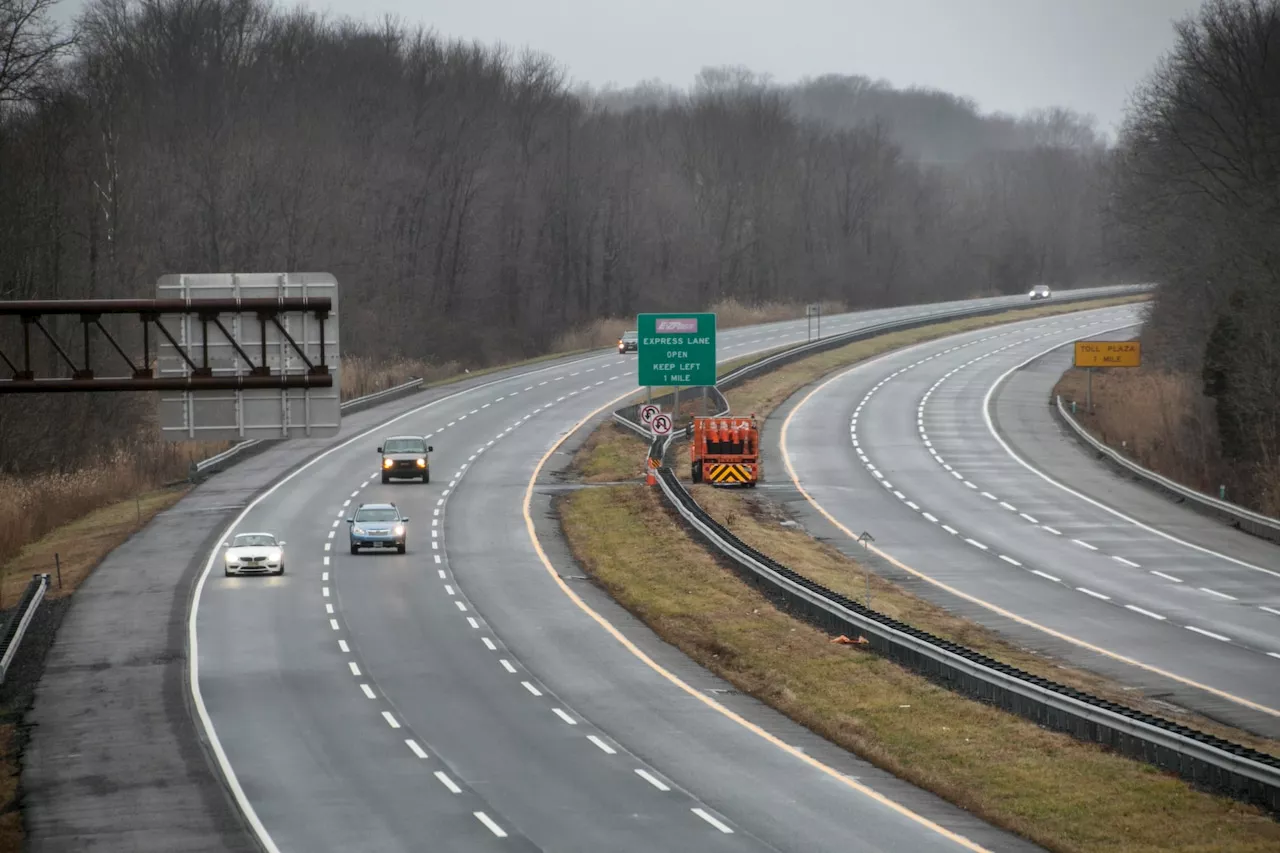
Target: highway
x,y
948,455
475,694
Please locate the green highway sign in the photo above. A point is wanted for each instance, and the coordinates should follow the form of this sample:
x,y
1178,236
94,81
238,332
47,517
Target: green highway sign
x,y
676,349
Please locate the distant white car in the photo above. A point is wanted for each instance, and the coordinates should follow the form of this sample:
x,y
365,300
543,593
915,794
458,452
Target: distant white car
x,y
1040,291
254,554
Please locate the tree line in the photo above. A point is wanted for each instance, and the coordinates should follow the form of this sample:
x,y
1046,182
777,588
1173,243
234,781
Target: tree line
x,y
472,204
1197,196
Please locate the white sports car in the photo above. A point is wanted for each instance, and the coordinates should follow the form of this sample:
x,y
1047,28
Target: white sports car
x,y
254,554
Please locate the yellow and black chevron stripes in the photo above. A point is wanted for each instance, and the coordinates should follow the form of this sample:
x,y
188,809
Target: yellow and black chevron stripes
x,y
726,472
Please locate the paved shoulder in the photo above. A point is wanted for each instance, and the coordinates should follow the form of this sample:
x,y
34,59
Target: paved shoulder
x,y
1022,413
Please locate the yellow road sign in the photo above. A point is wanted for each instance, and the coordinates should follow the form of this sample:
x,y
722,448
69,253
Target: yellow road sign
x,y
1108,353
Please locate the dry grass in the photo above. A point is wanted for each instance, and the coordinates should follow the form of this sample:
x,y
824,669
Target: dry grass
x,y
82,543
32,506
1059,792
1160,419
361,376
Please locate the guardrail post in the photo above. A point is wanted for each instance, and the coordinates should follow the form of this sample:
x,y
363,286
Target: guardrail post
x,y
57,564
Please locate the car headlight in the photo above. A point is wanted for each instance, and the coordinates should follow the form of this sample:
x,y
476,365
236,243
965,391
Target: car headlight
x,y
399,529
422,463
387,463
274,556
229,557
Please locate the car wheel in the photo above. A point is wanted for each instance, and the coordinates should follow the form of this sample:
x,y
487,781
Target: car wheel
x,y
426,477
355,549
386,479
400,549
226,571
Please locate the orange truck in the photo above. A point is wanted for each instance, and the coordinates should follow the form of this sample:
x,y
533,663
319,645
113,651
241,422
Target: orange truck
x,y
725,451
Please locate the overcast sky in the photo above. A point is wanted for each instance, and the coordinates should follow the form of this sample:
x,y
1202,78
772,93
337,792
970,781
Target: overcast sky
x,y
1008,55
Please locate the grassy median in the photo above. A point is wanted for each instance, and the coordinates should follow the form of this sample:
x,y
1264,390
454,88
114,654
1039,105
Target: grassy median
x,y
1059,792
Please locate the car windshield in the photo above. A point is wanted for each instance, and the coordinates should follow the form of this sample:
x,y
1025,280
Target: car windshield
x,y
404,445
251,540
377,515
628,336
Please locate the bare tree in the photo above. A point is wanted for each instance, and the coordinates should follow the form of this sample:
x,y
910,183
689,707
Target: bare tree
x,y
30,47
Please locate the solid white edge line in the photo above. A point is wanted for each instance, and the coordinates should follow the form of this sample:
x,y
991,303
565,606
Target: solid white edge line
x,y
986,414
193,638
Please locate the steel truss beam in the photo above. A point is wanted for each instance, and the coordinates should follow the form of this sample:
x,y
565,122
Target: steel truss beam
x,y
148,312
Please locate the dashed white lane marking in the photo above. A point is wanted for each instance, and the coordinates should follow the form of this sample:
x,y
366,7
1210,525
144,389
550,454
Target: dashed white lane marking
x,y
441,573
1008,506
325,591
1085,544
930,516
488,644
355,668
654,780
1219,594
1136,609
417,750
975,543
1010,560
473,622
1051,530
1270,610
333,623
562,715
461,606
1028,518
608,750
1126,562
342,644
368,691
391,720
488,821
950,529
712,820
527,686
324,576
988,495
1088,591
326,561
328,608
447,782
449,589
1166,577
1046,576
1207,633
506,664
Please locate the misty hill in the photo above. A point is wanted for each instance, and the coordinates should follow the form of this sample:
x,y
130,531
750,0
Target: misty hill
x,y
930,125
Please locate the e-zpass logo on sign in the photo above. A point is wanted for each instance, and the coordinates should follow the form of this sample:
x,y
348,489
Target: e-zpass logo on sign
x,y
682,324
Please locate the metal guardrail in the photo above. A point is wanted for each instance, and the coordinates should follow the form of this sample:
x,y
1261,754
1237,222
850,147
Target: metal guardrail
x,y
1204,760
1262,526
22,616
245,449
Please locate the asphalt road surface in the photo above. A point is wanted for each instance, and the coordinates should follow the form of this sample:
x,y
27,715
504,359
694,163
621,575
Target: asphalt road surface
x,y
949,456
473,694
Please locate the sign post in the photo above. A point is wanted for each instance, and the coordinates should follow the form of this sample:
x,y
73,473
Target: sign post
x,y
1092,354
677,350
811,311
